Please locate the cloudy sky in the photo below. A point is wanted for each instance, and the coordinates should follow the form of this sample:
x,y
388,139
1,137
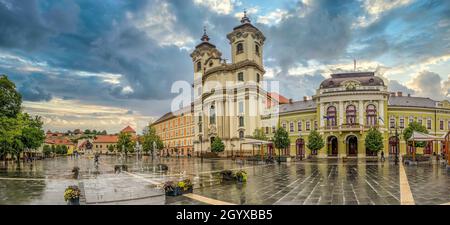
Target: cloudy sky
x,y
110,63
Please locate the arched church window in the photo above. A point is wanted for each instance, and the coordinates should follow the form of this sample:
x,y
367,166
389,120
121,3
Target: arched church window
x,y
212,115
257,49
239,48
371,113
351,114
331,116
241,134
241,121
199,66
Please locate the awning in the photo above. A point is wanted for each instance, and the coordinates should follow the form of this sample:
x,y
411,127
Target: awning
x,y
419,136
252,141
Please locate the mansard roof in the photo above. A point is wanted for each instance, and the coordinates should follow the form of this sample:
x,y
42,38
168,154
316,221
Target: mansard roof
x,y
364,79
408,101
298,105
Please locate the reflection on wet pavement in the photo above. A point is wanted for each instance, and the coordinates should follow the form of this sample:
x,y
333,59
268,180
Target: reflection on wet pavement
x,y
306,182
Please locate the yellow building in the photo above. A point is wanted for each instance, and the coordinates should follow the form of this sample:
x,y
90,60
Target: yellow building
x,y
347,105
176,130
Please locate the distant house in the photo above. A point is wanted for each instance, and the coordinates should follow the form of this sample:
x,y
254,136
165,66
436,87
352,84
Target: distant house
x,y
101,143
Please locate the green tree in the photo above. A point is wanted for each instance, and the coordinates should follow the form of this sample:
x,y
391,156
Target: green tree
x,y
53,148
104,132
46,150
315,142
217,145
374,140
259,134
149,138
10,98
415,126
87,131
281,139
125,143
111,148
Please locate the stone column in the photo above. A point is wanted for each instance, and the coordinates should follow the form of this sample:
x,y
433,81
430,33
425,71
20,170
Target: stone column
x,y
322,114
341,113
361,112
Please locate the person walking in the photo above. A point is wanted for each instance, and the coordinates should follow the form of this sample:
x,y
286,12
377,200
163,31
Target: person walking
x,y
382,156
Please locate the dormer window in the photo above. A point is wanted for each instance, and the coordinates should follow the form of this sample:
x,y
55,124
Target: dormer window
x,y
239,48
199,66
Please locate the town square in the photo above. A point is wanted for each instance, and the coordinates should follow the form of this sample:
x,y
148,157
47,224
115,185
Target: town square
x,y
204,102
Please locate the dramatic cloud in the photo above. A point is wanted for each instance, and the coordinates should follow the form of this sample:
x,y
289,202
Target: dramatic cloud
x,y
127,54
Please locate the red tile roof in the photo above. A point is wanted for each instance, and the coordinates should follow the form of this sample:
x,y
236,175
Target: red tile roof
x,y
128,129
106,139
273,96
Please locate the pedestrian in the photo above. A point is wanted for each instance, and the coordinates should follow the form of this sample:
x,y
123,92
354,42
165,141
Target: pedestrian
x,y
382,156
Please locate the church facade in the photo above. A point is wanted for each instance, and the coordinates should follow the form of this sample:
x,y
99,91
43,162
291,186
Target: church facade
x,y
230,102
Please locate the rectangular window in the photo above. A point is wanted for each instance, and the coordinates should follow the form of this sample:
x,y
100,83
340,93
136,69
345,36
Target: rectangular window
x,y
257,77
241,107
267,130
392,122
299,126
240,76
419,120
284,126
411,119
428,123
315,125
441,125
308,125
241,121
291,127
273,129
402,123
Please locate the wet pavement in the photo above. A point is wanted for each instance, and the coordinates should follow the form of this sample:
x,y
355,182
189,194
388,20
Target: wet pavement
x,y
296,183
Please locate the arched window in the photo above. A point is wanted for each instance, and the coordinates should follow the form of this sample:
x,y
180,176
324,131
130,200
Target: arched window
x,y
257,49
199,66
241,134
241,121
257,78
212,115
331,116
371,113
239,48
350,112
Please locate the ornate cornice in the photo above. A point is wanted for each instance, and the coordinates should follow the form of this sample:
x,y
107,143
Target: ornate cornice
x,y
232,67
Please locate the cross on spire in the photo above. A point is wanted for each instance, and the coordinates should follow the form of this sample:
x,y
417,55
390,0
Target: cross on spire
x,y
245,19
205,37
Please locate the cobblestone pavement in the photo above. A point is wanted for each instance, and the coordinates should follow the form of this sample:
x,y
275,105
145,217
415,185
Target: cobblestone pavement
x,y
296,183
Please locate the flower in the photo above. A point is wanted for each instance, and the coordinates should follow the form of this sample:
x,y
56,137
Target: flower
x,y
72,192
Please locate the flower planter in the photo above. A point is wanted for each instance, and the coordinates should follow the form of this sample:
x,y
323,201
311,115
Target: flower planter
x,y
178,191
73,201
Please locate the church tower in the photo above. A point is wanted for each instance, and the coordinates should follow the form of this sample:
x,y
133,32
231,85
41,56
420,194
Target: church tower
x,y
246,42
205,55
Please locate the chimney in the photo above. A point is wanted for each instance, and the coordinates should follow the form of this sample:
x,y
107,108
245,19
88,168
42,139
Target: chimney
x,y
392,94
290,101
305,98
399,93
